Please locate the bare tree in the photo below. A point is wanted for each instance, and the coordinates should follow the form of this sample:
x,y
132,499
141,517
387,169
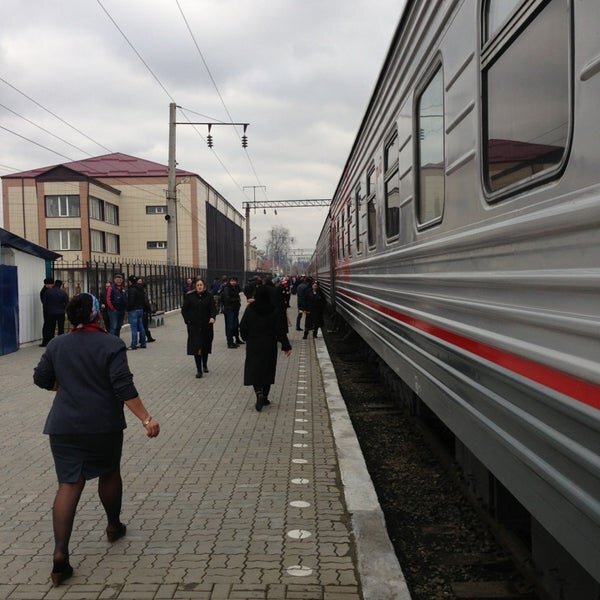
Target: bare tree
x,y
279,247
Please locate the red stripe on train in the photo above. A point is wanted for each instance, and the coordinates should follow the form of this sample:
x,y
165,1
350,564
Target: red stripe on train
x,y
579,389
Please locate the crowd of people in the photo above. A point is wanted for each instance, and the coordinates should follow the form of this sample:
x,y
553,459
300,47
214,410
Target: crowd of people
x,y
89,372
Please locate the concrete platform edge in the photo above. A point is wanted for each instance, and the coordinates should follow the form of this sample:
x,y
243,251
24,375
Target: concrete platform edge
x,y
379,570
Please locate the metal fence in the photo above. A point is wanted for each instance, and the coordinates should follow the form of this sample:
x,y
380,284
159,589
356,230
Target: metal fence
x,y
165,285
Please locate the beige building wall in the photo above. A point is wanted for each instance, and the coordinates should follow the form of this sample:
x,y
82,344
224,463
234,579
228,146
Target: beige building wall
x,y
25,215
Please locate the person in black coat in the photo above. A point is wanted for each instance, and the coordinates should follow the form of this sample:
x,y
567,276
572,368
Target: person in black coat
x,y
48,323
261,330
55,304
315,306
199,313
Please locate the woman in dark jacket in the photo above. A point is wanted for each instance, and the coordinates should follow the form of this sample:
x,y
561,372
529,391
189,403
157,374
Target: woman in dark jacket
x,y
315,306
261,330
199,313
88,370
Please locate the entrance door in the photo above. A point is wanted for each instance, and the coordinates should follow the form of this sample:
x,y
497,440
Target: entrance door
x,y
9,310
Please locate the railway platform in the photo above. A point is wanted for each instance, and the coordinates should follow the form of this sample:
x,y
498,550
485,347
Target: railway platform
x,y
227,503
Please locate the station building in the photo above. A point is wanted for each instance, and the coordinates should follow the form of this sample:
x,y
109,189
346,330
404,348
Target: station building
x,y
112,208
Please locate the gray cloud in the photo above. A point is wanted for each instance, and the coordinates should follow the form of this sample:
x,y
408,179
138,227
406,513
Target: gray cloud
x,y
301,72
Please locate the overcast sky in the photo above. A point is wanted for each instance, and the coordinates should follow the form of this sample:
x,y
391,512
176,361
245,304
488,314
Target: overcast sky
x,y
300,72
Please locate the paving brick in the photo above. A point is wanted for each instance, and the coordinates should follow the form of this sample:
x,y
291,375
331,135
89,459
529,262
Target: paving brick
x,y
206,503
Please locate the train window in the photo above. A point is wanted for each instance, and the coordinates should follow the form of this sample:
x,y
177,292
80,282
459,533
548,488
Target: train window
x,y
371,209
357,203
392,188
430,150
526,95
348,222
496,13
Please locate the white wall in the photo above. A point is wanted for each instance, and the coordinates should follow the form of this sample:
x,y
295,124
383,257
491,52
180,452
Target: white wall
x,y
31,271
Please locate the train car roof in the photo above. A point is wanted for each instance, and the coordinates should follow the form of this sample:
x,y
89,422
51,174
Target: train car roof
x,y
399,30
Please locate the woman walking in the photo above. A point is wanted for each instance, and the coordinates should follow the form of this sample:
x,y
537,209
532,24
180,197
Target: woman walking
x,y
199,313
261,331
315,306
88,370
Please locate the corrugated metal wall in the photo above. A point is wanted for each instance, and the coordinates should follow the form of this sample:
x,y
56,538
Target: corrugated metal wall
x,y
225,245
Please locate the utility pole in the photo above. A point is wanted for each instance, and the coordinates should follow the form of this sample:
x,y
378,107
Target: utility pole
x,y
171,216
247,215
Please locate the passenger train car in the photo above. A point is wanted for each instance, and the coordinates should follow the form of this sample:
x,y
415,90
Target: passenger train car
x,y
463,244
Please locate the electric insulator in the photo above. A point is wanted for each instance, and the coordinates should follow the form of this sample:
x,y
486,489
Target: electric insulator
x,y
209,140
244,141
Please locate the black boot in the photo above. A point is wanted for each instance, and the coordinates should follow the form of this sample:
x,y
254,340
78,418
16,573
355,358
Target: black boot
x,y
259,401
205,367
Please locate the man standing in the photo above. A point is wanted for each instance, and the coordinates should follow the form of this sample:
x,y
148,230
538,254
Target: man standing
x,y
55,304
136,299
46,337
230,301
302,292
116,301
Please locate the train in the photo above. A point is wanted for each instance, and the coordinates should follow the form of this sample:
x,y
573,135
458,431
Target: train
x,y
462,244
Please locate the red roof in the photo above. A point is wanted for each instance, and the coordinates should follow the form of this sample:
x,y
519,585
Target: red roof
x,y
109,165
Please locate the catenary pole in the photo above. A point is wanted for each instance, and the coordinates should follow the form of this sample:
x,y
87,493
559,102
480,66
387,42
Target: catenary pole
x,y
171,215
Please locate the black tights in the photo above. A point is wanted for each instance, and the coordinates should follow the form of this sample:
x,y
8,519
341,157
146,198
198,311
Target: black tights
x,y
265,389
201,361
110,490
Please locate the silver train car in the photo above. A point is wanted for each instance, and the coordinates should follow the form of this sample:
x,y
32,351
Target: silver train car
x,y
463,244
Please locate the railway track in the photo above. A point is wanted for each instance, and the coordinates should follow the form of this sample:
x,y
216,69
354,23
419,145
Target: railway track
x,y
447,547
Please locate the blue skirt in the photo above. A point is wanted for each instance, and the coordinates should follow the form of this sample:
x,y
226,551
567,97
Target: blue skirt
x,y
89,455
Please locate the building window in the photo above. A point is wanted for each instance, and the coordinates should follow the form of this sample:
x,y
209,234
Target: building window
x,y
111,213
430,150
156,245
64,239
62,206
113,245
371,208
526,90
97,241
96,209
392,188
156,210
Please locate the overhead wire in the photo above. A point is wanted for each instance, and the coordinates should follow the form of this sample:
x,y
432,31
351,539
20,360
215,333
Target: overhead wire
x,y
156,78
44,129
218,91
55,115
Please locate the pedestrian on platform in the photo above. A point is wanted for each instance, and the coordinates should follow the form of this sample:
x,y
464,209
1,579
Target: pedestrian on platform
x,y
261,330
46,337
147,315
88,370
199,313
55,305
116,300
230,301
316,308
302,295
135,313
104,307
